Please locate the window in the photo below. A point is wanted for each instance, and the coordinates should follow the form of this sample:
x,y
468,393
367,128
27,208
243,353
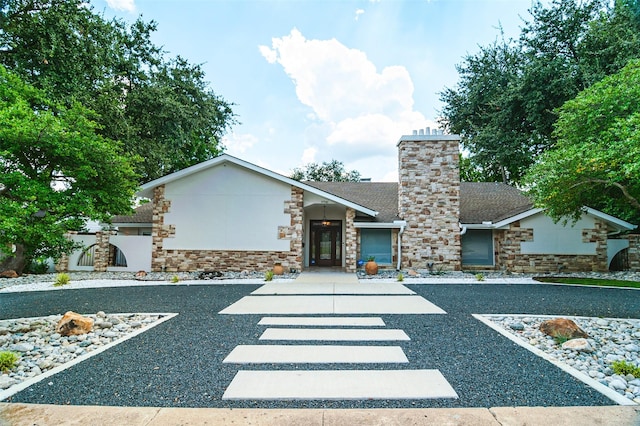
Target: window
x,y
377,243
477,247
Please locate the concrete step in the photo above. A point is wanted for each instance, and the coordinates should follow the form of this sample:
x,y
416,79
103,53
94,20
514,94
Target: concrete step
x,y
316,354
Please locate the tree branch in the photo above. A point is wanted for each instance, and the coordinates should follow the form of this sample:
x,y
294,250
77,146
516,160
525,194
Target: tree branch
x,y
632,200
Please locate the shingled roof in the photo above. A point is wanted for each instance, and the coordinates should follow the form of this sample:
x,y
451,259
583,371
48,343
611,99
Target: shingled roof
x,y
143,214
379,196
479,201
490,202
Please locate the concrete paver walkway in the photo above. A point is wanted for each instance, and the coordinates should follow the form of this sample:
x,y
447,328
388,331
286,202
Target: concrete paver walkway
x,y
62,415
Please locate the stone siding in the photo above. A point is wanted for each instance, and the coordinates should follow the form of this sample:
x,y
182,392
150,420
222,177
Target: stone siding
x,y
509,257
429,201
226,260
634,252
352,242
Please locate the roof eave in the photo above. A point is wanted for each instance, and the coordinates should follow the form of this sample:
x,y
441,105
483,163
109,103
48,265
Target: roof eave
x,y
146,190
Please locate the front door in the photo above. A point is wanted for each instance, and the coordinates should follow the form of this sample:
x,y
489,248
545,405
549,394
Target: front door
x,y
326,243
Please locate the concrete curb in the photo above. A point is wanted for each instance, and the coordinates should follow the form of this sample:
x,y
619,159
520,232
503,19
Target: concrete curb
x,y
41,415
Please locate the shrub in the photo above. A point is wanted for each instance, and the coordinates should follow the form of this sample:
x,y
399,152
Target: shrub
x,y
8,360
479,277
62,279
39,267
623,368
400,277
268,276
175,279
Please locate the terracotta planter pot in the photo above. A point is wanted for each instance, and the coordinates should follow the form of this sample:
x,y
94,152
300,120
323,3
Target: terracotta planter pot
x,y
278,270
371,268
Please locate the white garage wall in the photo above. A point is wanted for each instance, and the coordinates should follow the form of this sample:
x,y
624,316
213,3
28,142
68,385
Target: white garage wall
x,y
554,238
227,207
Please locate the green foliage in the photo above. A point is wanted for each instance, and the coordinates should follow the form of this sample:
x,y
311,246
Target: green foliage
x,y
175,279
332,171
61,280
160,109
595,161
589,281
268,276
8,361
55,171
623,368
400,277
38,266
561,338
479,277
504,106
371,258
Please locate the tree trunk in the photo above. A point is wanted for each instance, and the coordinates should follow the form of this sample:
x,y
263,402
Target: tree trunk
x,y
14,261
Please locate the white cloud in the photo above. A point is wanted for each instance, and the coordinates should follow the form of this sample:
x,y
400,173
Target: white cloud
x,y
127,5
238,144
358,13
309,155
364,110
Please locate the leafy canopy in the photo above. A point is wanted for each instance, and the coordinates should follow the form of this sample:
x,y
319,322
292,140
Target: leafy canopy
x,y
595,160
504,106
332,171
161,109
55,171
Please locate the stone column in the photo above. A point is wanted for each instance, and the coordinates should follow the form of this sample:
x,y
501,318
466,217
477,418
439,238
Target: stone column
x,y
429,201
350,250
634,252
101,260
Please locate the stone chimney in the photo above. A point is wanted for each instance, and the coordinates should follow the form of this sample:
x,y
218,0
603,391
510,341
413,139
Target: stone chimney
x,y
429,200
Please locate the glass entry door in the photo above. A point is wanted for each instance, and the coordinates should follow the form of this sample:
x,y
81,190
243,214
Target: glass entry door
x,y
326,243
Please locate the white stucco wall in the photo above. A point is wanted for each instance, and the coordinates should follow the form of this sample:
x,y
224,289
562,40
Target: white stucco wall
x,y
227,207
136,249
554,238
86,241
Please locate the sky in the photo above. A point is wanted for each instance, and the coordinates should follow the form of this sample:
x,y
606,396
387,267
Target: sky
x,y
317,80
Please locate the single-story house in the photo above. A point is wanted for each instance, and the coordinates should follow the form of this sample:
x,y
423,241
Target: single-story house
x,y
228,214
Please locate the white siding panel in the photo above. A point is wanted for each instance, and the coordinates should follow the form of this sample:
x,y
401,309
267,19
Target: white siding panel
x,y
227,208
554,238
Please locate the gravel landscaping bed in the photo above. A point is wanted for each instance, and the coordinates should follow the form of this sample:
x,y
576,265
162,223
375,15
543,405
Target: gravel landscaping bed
x,y
41,349
179,362
610,340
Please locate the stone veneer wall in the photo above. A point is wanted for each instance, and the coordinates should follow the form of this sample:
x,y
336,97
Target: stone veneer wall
x,y
429,201
226,260
509,257
634,252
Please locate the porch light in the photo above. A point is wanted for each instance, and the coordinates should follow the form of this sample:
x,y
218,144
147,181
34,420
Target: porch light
x,y
325,222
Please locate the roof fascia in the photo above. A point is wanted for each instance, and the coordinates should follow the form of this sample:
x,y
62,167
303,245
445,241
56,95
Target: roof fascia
x,y
380,225
619,223
145,190
517,217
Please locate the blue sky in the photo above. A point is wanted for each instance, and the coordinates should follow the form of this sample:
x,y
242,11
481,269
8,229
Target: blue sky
x,y
319,80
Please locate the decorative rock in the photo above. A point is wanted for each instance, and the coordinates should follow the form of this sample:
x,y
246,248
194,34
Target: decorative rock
x,y
632,348
21,347
617,384
580,344
412,273
562,327
140,274
517,326
6,381
73,323
10,273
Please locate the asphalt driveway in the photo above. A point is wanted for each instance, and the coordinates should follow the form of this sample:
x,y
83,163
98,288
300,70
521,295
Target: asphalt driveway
x,y
179,363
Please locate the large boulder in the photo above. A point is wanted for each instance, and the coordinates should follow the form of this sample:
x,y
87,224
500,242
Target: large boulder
x,y
10,273
563,328
74,324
